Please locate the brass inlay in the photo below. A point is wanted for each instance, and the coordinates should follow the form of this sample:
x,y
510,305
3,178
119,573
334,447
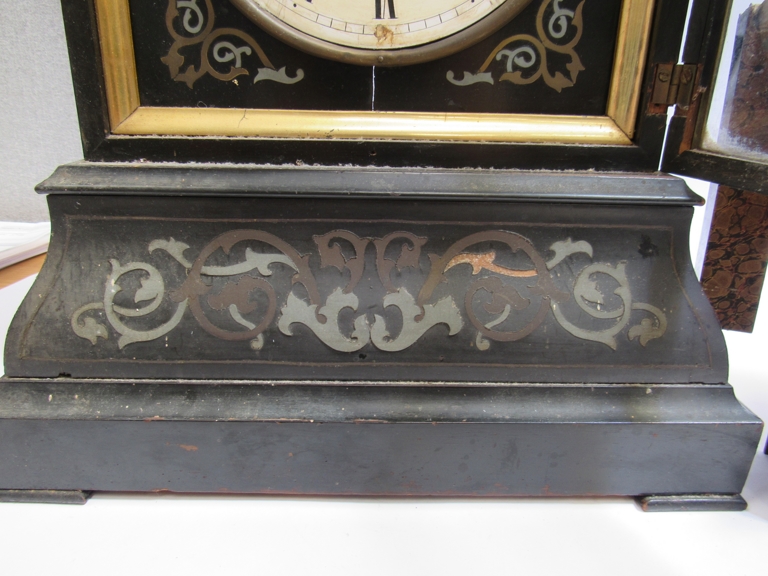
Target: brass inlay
x,y
488,300
200,31
526,55
116,40
128,118
629,63
487,261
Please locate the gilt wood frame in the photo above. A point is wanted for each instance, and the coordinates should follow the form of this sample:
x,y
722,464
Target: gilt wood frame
x,y
626,138
616,127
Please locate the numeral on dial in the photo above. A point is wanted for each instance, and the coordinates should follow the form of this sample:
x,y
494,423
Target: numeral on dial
x,y
385,12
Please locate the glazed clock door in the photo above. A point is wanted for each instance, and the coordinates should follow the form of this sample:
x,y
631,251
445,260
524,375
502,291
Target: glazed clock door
x,y
720,133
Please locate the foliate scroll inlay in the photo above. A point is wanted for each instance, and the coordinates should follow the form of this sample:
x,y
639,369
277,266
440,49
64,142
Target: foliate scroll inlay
x,y
525,59
225,53
266,285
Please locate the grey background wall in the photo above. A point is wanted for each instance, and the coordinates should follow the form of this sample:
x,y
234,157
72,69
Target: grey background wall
x,y
38,120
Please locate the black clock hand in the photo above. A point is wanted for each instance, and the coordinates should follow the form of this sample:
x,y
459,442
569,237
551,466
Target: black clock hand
x,y
380,10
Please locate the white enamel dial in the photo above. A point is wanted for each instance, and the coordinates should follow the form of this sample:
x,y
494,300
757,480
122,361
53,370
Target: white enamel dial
x,y
379,24
368,31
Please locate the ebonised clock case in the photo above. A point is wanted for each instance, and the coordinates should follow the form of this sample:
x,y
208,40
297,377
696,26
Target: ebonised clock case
x,y
86,408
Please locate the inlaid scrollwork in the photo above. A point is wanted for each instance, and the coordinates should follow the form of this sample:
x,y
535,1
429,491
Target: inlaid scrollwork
x,y
591,300
189,24
331,255
237,297
410,252
524,58
502,295
152,289
507,289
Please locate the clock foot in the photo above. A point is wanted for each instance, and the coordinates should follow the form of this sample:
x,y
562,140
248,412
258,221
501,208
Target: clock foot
x,y
692,503
45,496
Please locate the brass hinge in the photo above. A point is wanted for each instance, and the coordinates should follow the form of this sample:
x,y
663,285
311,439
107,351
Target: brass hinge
x,y
674,84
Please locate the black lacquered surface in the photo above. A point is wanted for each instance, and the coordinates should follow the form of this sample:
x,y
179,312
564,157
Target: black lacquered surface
x,y
557,59
290,286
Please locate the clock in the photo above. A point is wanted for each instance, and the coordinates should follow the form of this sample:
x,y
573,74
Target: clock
x,y
292,264
381,32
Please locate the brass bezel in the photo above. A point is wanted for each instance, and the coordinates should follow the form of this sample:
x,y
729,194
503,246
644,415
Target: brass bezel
x,y
129,118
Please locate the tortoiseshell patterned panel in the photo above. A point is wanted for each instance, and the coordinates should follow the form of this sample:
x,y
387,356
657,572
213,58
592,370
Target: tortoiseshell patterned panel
x,y
735,263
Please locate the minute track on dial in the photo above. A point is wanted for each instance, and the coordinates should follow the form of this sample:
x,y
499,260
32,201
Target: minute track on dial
x,y
381,32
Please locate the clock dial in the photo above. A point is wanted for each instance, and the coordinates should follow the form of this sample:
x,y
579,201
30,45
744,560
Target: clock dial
x,y
379,24
381,32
